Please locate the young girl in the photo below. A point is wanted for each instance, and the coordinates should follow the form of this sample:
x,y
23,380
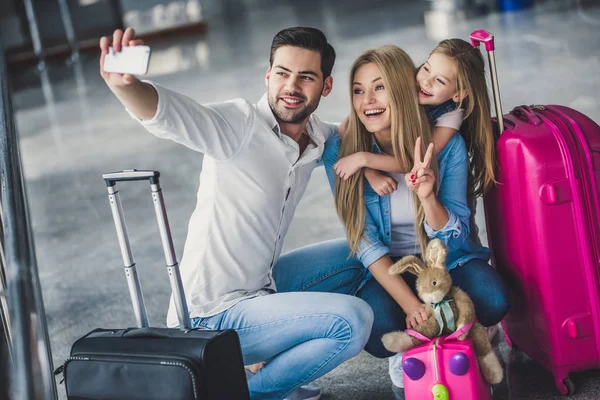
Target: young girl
x,y
453,89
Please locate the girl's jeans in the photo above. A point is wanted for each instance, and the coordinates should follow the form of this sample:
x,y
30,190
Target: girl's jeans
x,y
326,267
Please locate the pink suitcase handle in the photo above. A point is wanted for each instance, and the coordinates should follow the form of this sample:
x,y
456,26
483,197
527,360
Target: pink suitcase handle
x,y
526,114
452,336
482,36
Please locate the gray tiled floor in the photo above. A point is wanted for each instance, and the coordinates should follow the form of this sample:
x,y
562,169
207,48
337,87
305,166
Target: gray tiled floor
x,y
72,130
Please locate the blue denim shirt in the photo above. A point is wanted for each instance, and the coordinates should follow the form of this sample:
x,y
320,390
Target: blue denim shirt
x,y
434,112
453,166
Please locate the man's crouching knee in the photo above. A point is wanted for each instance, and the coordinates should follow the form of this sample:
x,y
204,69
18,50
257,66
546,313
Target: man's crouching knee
x,y
358,316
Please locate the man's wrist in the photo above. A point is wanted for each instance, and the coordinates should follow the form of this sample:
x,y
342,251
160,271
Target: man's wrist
x,y
128,88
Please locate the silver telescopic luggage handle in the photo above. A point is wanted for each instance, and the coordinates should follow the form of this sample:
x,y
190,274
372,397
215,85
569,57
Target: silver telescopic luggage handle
x,y
135,289
485,37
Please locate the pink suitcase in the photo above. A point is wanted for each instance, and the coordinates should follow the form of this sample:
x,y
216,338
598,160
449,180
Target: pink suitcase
x,y
543,229
443,368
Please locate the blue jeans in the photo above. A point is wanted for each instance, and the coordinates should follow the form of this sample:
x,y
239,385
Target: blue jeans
x,y
301,335
327,267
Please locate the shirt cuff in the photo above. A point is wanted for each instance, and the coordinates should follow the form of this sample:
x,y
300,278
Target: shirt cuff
x,y
372,253
160,108
452,228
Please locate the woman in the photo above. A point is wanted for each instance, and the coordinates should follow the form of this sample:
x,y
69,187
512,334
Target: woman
x,y
430,202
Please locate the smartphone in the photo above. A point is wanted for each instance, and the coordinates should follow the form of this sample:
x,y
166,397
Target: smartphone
x,y
130,60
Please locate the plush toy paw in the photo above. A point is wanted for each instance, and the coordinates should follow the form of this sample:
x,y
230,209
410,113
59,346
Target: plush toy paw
x,y
397,342
491,368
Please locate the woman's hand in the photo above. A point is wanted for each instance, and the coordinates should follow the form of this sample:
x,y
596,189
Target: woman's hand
x,y
421,179
381,183
349,165
416,316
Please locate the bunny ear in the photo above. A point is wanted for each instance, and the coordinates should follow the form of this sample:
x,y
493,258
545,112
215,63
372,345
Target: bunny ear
x,y
411,264
436,254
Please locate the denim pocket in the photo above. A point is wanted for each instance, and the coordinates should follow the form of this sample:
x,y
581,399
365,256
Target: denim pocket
x,y
209,323
200,322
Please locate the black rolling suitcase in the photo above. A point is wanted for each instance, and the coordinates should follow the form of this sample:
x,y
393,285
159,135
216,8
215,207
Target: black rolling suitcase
x,y
153,363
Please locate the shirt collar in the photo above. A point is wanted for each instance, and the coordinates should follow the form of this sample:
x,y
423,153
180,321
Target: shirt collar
x,y
266,113
375,147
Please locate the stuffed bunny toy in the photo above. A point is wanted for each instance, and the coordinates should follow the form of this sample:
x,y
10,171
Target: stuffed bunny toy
x,y
448,308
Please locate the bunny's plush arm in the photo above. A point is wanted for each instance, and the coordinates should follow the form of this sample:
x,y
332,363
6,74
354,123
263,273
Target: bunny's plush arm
x,y
399,342
466,309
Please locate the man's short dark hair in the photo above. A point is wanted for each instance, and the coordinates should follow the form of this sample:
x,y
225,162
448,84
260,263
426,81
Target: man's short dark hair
x,y
309,39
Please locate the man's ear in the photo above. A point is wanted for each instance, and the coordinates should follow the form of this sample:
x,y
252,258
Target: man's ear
x,y
327,86
267,76
459,96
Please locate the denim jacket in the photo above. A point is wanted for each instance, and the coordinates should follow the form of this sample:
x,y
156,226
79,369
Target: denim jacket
x,y
453,166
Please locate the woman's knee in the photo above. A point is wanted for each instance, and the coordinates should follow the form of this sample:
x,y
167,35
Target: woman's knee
x,y
493,309
486,288
494,303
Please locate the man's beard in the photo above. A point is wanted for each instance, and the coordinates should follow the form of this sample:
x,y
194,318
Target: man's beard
x,y
298,116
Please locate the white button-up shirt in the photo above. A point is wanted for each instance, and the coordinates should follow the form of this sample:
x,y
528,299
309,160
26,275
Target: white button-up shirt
x,y
252,179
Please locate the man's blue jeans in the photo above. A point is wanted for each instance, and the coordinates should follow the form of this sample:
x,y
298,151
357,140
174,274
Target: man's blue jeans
x,y
327,267
301,335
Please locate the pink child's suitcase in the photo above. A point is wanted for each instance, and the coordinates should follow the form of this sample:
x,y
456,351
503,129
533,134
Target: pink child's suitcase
x,y
443,369
543,228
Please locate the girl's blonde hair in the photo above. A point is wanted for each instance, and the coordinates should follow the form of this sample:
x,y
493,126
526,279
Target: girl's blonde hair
x,y
408,122
477,128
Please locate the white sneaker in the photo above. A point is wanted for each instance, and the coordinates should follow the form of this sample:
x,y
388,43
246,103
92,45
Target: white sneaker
x,y
305,393
395,370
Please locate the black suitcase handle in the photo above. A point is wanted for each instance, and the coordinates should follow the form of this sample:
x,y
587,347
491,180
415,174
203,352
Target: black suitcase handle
x,y
135,289
131,175
150,333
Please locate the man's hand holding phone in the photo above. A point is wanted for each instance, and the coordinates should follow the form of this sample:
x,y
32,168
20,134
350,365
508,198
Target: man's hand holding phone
x,y
126,57
138,97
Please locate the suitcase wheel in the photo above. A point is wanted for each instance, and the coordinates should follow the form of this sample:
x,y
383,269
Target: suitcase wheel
x,y
566,386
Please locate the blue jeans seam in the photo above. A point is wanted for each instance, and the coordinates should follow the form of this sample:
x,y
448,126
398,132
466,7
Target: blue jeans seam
x,y
324,277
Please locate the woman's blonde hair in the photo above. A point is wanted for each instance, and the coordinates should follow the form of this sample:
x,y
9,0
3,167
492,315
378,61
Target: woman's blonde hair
x,y
408,122
477,126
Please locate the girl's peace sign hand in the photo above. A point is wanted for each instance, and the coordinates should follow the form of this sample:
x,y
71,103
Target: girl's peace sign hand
x,y
421,179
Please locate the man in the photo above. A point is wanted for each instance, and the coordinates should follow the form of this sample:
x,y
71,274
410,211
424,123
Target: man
x,y
258,160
